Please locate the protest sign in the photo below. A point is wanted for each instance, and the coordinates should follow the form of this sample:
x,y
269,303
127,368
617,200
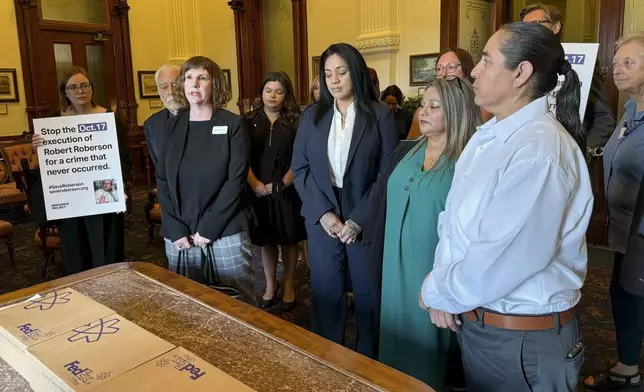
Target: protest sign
x,y
582,57
80,165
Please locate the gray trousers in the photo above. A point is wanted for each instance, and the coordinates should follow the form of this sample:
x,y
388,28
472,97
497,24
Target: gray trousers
x,y
500,360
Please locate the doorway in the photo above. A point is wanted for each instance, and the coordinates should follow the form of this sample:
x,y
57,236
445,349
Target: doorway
x,y
62,50
57,34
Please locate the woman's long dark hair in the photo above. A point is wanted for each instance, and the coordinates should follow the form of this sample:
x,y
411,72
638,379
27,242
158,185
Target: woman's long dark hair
x,y
363,91
536,44
290,111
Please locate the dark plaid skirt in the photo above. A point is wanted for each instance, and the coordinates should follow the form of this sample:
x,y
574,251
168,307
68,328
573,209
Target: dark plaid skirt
x,y
225,262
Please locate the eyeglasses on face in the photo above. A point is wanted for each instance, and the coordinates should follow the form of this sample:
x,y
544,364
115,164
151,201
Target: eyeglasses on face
x,y
543,21
72,88
448,68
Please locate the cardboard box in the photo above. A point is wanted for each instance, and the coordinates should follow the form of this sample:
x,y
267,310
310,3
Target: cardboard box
x,y
29,323
92,354
177,370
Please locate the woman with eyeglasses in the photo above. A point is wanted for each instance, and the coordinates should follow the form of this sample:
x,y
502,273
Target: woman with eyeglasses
x,y
86,242
454,62
402,236
457,62
624,187
451,63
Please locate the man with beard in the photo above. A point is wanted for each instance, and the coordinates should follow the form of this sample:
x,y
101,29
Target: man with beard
x,y
154,127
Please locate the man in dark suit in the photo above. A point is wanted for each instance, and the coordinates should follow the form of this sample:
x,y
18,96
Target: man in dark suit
x,y
599,120
154,127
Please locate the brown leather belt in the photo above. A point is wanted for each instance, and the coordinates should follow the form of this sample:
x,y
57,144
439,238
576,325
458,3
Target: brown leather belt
x,y
522,323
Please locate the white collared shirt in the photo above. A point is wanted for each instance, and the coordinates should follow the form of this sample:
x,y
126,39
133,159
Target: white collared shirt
x,y
512,236
339,143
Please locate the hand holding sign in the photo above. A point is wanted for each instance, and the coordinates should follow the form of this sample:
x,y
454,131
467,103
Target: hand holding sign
x,y
37,141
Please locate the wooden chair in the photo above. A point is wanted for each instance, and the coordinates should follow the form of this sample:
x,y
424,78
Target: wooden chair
x,y
10,195
152,212
6,233
23,159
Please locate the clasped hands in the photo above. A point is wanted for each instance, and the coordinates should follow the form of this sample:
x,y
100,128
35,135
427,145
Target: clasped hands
x,y
187,242
346,232
260,189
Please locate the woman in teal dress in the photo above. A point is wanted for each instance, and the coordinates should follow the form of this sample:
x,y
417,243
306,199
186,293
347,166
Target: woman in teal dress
x,y
410,196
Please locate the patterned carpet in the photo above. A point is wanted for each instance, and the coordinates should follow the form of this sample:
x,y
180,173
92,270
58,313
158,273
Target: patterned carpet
x,y
595,308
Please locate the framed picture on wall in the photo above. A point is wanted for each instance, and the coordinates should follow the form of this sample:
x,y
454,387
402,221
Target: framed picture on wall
x,y
8,85
228,79
315,66
421,68
147,85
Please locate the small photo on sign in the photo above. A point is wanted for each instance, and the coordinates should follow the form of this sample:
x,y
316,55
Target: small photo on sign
x,y
105,191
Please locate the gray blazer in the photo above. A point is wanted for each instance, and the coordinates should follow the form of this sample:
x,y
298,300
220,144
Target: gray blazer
x,y
632,273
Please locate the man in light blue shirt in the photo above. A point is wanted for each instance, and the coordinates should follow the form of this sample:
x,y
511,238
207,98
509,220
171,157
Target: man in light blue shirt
x,y
511,259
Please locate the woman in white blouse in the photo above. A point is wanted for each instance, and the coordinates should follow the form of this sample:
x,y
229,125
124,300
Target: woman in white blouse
x,y
340,148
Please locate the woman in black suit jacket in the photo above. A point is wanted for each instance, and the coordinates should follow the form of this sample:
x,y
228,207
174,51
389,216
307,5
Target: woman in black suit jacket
x,y
201,179
341,146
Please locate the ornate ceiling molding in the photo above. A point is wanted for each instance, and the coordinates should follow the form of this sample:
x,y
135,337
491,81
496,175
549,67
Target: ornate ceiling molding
x,y
381,43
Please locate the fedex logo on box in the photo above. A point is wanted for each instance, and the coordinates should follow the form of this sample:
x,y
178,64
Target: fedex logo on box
x,y
183,365
193,370
74,368
28,331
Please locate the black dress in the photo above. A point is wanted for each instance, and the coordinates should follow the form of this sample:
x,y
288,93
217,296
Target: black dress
x,y
278,215
403,123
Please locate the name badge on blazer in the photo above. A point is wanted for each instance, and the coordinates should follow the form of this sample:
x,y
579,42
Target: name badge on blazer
x,y
220,130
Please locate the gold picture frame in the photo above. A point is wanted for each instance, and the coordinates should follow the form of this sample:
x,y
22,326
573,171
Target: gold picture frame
x,y
9,85
147,85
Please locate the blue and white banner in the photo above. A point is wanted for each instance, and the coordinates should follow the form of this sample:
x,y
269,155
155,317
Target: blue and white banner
x,y
582,57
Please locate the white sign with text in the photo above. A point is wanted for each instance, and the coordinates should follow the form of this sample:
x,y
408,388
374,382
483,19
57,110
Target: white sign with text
x,y
582,57
80,165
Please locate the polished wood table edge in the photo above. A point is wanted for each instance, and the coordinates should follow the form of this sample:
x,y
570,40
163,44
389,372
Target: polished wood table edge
x,y
356,366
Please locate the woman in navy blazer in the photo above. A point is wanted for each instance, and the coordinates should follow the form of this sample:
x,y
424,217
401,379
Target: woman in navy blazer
x,y
340,148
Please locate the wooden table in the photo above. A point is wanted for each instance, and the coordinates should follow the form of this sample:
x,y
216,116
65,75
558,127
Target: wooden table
x,y
261,350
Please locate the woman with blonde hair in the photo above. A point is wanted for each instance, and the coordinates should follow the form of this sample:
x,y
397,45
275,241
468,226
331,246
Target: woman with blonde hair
x,y
201,180
409,197
315,90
